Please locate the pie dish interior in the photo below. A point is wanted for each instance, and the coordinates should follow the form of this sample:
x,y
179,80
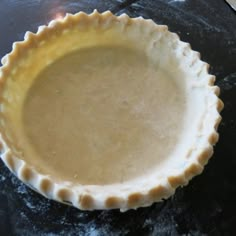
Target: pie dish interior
x,y
100,111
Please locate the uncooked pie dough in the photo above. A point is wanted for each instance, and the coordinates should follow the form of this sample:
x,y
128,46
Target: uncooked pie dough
x,y
101,111
102,115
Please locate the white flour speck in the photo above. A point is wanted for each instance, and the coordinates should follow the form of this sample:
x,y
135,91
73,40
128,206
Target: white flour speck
x,y
172,1
21,189
2,178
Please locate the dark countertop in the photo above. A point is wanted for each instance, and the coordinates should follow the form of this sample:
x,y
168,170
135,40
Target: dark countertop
x,y
207,205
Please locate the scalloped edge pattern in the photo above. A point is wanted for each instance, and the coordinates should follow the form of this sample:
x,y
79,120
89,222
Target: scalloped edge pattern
x,y
83,199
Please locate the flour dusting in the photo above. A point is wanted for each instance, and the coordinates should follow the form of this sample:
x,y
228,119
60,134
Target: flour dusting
x,y
176,1
2,178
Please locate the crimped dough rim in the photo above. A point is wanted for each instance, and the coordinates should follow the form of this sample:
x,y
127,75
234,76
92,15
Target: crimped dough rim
x,y
123,197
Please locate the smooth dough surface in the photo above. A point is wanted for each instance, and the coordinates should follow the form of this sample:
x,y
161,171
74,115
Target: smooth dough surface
x,y
102,115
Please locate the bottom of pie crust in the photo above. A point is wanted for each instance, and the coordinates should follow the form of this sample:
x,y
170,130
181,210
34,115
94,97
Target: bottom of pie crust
x,y
101,115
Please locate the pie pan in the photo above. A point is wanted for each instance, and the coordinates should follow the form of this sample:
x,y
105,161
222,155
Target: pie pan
x,y
102,112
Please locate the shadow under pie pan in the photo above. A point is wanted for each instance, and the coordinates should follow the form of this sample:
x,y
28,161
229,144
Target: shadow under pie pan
x,y
105,112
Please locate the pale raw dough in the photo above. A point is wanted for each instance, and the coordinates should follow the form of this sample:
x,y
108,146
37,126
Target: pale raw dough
x,y
105,112
102,115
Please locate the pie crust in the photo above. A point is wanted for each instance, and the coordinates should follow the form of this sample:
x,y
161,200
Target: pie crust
x,y
145,111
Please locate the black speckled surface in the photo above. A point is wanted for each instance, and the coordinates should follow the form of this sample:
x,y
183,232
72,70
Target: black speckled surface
x,y
207,205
